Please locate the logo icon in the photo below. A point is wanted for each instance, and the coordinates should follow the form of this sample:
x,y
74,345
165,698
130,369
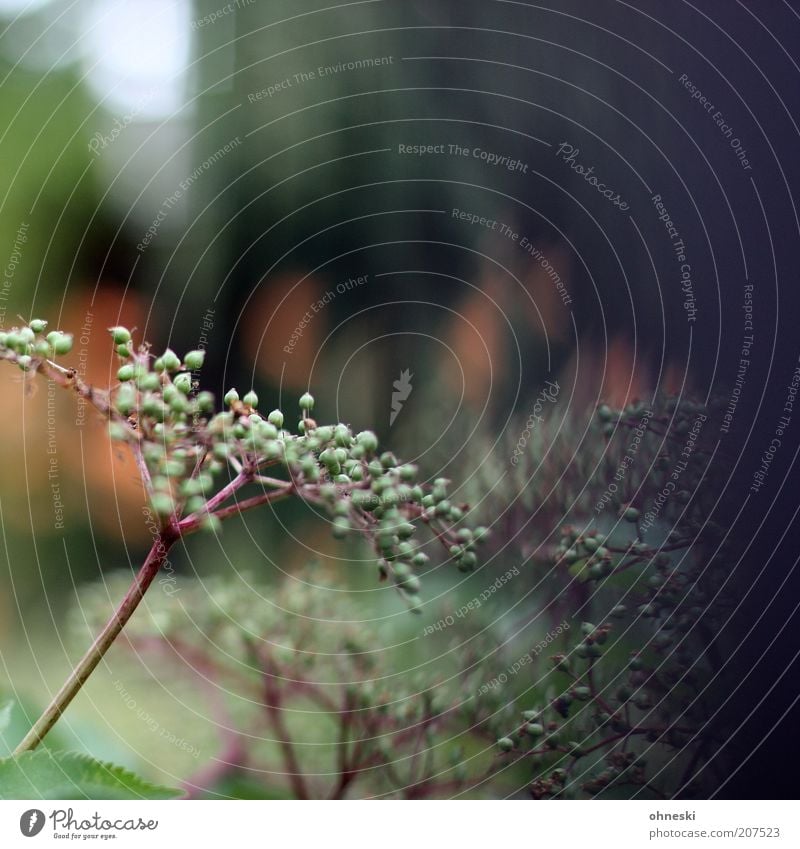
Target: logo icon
x,y
402,389
31,822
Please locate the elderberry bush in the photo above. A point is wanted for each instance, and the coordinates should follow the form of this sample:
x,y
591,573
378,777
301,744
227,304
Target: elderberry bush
x,y
621,550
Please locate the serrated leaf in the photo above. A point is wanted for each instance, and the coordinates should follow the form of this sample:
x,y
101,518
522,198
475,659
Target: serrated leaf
x,y
70,775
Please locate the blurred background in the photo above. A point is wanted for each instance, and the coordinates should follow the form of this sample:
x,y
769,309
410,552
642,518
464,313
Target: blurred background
x,y
481,196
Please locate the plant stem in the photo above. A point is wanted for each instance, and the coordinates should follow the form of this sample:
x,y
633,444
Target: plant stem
x,y
78,677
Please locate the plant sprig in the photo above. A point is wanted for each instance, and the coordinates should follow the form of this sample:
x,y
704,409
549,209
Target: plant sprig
x,y
183,446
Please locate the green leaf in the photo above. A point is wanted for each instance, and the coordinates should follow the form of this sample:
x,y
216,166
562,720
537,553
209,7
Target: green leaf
x,y
69,775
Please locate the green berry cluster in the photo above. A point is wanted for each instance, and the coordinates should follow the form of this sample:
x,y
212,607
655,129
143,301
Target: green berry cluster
x,y
195,457
31,345
586,551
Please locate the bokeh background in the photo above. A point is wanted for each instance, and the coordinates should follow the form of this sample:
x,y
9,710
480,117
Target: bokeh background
x,y
206,173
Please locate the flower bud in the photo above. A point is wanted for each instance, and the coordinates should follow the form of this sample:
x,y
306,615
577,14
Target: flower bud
x,y
306,401
120,335
367,440
61,342
205,402
194,360
171,360
251,399
231,397
505,744
183,382
162,503
341,525
276,418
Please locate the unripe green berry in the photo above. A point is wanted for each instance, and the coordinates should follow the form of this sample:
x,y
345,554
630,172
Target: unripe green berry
x,y
276,418
120,335
61,342
183,382
367,440
205,402
171,360
231,397
148,382
631,514
534,729
306,401
126,398
162,503
401,571
194,360
126,372
582,693
24,362
343,436
117,431
341,526
411,583
251,399
505,744
123,351
468,561
37,325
